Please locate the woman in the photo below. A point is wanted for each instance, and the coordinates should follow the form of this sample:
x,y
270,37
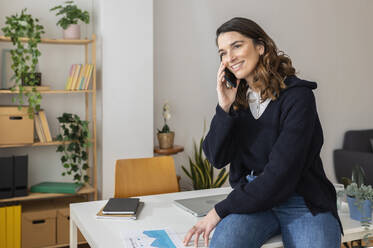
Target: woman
x,y
268,130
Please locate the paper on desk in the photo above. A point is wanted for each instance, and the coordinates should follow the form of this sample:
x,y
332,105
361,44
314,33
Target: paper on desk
x,y
159,238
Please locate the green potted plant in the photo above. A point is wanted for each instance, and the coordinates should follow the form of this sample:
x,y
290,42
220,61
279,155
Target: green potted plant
x,y
360,201
25,57
75,138
201,171
71,14
166,136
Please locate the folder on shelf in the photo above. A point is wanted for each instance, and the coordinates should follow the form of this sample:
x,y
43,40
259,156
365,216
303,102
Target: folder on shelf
x,y
56,187
3,229
17,226
45,126
10,226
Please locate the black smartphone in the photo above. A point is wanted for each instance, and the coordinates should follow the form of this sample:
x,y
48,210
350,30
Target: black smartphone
x,y
230,77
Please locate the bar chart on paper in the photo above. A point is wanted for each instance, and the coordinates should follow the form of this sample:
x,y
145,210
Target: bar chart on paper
x,y
161,238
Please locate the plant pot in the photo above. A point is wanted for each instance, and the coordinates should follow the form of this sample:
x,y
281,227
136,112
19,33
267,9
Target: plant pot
x,y
72,32
166,140
362,212
25,79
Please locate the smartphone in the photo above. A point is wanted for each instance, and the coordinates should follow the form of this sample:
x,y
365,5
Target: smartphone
x,y
230,77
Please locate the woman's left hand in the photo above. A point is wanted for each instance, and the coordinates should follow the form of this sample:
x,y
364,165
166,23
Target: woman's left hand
x,y
204,226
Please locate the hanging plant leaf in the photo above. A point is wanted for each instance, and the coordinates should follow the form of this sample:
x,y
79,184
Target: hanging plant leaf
x,y
73,150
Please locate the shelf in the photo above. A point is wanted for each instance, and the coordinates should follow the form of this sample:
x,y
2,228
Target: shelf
x,y
50,91
65,245
175,149
36,144
87,189
52,41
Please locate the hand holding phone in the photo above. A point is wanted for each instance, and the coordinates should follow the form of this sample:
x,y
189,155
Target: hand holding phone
x,y
226,95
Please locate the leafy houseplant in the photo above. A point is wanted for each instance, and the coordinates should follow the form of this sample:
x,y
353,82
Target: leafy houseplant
x,y
166,136
25,56
360,201
71,14
202,172
75,138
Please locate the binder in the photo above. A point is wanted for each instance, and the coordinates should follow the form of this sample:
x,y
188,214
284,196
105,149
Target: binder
x,y
3,228
17,226
9,226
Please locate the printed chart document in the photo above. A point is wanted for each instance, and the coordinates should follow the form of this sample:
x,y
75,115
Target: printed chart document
x,y
159,238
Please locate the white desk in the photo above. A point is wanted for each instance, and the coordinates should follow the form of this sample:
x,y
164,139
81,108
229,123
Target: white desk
x,y
159,212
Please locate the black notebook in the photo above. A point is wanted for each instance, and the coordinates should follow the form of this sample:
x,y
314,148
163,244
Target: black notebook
x,y
121,206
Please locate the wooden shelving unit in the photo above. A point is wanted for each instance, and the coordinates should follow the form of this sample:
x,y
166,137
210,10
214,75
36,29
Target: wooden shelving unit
x,y
90,115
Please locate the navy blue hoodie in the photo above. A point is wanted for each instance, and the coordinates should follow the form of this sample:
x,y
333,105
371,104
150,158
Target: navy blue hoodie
x,y
282,147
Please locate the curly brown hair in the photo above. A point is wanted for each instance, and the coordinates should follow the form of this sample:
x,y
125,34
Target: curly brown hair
x,y
273,66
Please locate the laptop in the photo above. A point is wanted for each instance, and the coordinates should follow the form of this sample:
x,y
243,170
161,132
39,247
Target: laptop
x,y
199,206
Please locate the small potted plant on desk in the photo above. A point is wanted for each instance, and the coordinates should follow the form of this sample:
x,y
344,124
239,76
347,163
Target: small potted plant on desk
x,y
360,204
166,136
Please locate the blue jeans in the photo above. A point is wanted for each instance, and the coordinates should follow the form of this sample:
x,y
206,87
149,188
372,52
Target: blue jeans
x,y
299,228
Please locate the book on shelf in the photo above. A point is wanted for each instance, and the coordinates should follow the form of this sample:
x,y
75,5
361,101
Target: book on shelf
x,y
79,77
39,129
56,187
81,72
70,78
75,77
90,72
45,126
42,127
82,79
101,215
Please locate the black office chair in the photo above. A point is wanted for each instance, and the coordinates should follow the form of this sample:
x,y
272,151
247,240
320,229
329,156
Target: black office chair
x,y
357,150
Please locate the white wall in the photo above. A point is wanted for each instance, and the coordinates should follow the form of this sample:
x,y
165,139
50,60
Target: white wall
x,y
54,63
328,41
127,76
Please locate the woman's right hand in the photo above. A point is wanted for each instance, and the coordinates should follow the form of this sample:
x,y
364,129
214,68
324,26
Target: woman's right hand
x,y
226,96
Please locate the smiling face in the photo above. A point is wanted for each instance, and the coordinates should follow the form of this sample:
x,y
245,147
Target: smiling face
x,y
239,53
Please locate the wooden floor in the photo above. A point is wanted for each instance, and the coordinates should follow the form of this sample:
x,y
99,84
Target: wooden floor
x,y
355,243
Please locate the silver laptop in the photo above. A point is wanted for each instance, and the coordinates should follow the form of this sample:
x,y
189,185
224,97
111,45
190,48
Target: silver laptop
x,y
199,206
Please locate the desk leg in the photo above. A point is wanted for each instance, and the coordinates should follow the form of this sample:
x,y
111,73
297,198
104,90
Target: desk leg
x,y
73,234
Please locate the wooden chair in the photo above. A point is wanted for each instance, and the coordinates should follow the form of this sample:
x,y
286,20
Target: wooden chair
x,y
145,176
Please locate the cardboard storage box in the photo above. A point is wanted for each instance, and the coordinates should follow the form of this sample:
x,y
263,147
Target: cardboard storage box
x,y
63,227
15,126
38,226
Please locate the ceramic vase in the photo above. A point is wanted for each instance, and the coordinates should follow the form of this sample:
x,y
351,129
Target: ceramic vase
x,y
72,32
